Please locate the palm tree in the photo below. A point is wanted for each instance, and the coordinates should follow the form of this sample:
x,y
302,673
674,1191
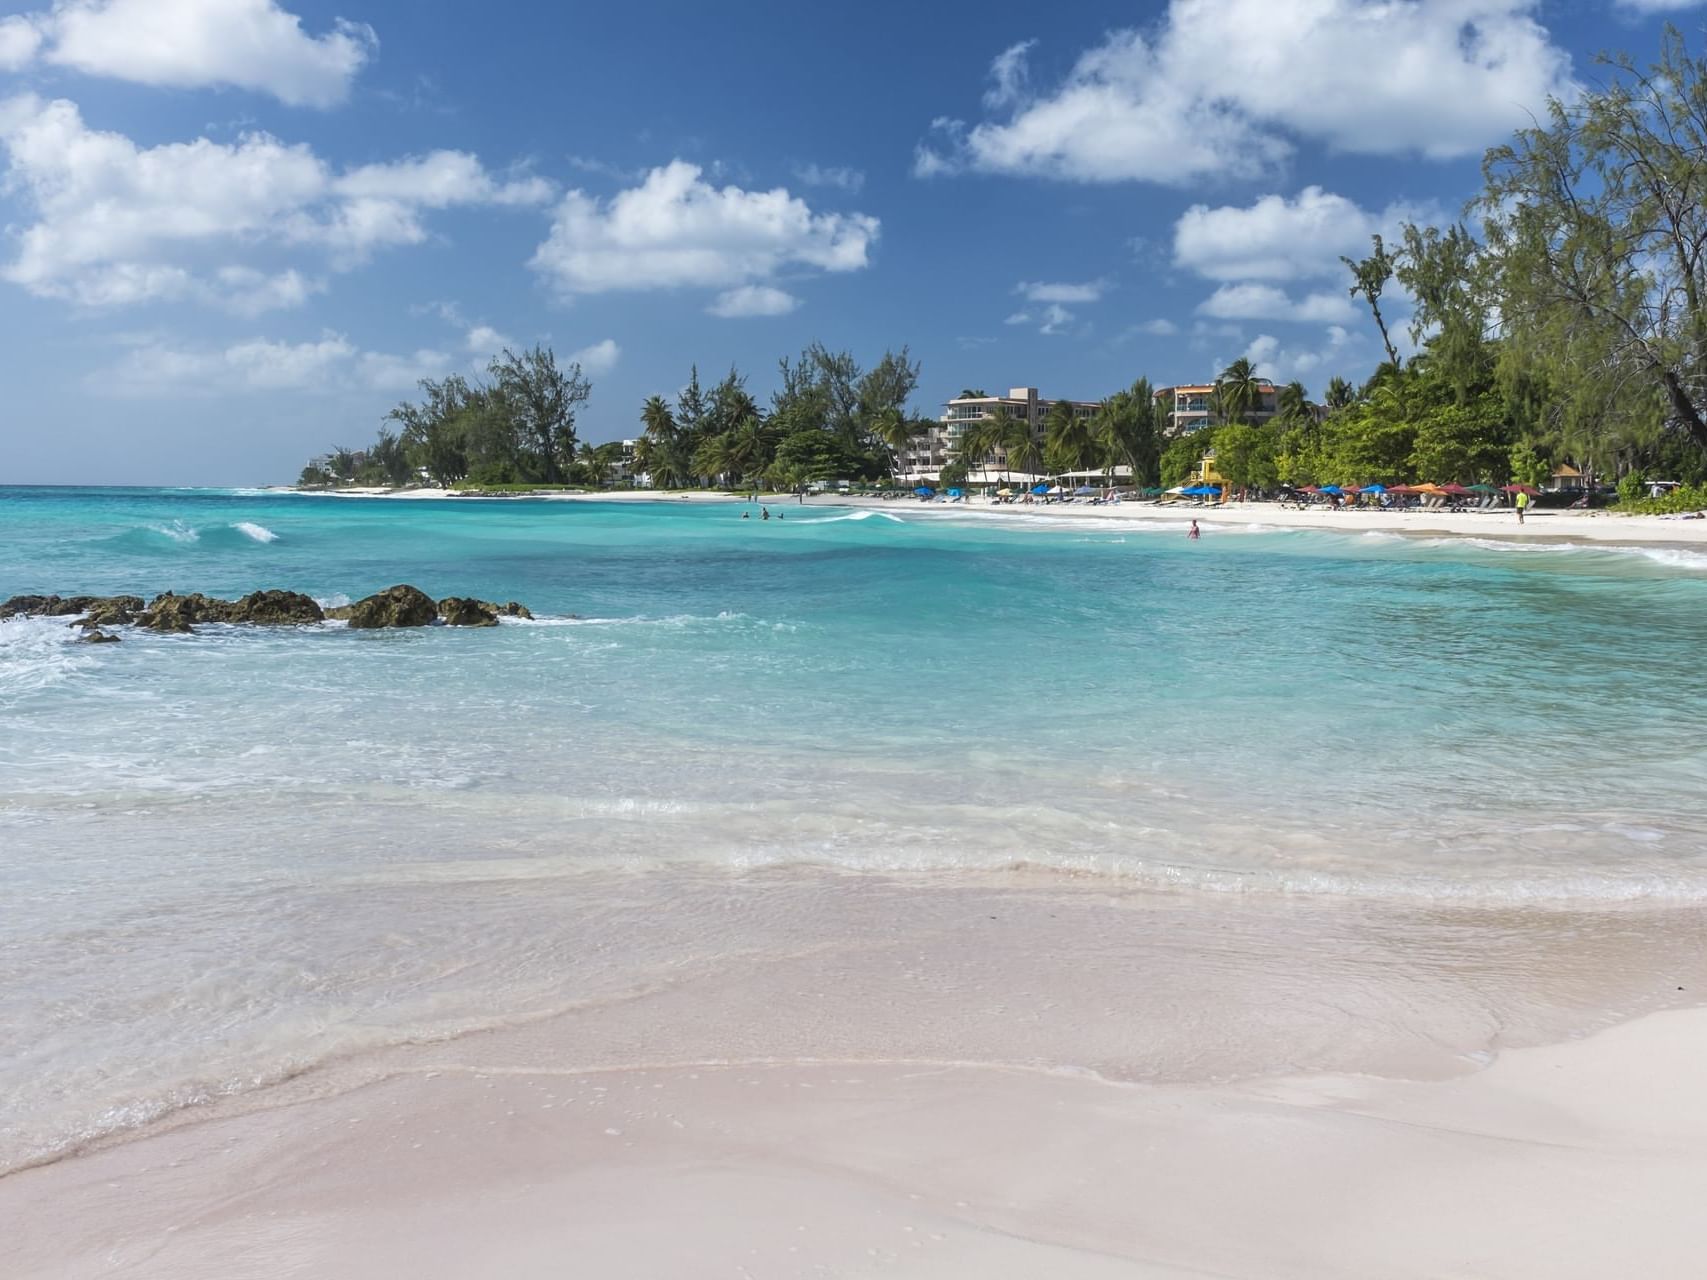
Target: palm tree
x,y
1293,401
1238,390
897,431
747,450
661,452
1022,450
1127,433
1067,442
1339,394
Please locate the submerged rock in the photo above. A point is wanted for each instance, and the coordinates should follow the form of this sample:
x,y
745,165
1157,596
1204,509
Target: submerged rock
x,y
461,611
509,609
96,636
399,606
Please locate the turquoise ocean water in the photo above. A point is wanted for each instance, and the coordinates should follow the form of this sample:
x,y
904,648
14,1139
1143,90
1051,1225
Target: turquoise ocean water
x,y
224,854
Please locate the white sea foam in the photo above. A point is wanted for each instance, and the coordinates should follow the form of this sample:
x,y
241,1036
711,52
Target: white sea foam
x,y
177,531
37,653
1672,557
852,515
259,532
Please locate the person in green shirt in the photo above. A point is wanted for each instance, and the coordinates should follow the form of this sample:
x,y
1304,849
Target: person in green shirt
x,y
1522,504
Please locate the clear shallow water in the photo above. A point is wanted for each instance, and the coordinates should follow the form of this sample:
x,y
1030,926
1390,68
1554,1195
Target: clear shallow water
x,y
227,855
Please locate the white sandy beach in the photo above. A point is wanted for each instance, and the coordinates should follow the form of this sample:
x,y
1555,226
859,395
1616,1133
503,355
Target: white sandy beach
x,y
1587,1160
1539,526
898,1103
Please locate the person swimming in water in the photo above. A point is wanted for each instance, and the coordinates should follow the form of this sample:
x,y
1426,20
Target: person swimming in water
x,y
764,513
1193,534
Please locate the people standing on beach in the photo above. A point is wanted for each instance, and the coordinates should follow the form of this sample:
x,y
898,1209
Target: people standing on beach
x,y
1193,534
1522,504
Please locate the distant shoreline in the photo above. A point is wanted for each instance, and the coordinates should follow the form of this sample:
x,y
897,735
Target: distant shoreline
x,y
1545,526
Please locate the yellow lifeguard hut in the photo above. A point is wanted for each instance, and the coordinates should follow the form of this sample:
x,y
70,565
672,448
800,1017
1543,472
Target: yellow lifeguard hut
x,y
1205,473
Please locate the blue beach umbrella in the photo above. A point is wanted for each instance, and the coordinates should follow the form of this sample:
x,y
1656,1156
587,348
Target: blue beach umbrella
x,y
1040,488
1375,488
1331,488
924,491
1083,489
954,493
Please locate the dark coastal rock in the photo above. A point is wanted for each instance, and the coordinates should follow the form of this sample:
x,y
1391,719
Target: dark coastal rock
x,y
97,636
275,608
509,609
461,611
170,612
175,613
107,609
399,606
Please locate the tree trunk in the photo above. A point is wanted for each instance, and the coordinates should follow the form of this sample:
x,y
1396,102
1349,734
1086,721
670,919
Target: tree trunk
x,y
1683,409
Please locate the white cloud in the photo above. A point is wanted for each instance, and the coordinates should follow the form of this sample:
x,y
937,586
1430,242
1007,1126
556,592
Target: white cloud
x,y
1266,302
1279,239
676,230
484,340
1186,101
1019,317
839,176
1038,291
601,357
19,40
1656,6
1009,74
1056,318
1284,363
753,300
329,364
189,44
1159,328
224,223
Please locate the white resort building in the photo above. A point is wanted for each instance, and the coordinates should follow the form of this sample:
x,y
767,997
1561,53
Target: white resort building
x,y
926,455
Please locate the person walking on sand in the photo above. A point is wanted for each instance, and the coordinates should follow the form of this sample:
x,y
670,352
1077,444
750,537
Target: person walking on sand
x,y
1193,534
1522,504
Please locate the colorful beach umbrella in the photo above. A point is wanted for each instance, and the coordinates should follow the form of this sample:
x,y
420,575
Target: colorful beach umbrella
x,y
1375,488
1530,489
924,491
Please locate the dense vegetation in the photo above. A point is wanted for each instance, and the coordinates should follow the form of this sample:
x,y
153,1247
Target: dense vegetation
x,y
828,420
516,427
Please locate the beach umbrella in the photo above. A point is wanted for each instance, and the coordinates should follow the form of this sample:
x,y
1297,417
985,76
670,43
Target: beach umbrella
x,y
1456,490
925,491
1375,488
1154,491
956,493
1083,489
1055,491
1351,490
1483,488
1040,489
1331,488
1404,488
1530,489
1004,493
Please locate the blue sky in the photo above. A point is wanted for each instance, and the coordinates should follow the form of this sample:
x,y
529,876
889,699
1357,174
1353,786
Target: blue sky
x,y
234,232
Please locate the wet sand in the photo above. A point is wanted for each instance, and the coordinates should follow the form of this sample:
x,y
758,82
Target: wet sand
x,y
1043,1079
